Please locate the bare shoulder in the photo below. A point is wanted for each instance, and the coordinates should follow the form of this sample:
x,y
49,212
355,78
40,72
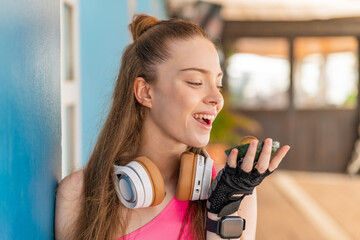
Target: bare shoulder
x,y
68,199
71,185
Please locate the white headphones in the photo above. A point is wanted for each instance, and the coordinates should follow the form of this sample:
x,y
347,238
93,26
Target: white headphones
x,y
139,184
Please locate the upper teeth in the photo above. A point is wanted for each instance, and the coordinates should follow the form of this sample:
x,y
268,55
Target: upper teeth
x,y
206,116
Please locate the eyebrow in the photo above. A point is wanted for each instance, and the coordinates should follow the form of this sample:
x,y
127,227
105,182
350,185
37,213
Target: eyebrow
x,y
204,71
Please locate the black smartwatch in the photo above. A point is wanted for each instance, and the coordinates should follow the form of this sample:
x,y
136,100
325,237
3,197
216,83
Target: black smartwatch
x,y
227,227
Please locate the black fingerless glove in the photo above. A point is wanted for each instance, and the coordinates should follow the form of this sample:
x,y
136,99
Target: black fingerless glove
x,y
229,183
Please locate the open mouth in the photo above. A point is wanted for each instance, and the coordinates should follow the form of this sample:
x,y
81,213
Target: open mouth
x,y
204,118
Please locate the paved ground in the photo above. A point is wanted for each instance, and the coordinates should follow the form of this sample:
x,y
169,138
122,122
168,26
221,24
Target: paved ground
x,y
302,205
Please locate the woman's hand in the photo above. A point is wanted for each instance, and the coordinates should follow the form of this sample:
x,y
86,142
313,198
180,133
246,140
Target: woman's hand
x,y
233,183
264,163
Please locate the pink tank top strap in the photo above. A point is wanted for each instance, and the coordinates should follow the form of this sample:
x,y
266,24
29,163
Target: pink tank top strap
x,y
214,173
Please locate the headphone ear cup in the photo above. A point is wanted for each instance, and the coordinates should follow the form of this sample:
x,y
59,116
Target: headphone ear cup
x,y
157,182
207,178
129,186
185,185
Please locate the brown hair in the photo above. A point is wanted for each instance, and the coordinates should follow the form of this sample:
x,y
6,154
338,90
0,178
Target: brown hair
x,y
101,212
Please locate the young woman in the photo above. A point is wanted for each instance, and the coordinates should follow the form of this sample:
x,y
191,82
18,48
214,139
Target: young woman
x,y
166,97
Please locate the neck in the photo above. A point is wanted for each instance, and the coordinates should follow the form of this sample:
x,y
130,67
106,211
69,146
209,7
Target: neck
x,y
163,151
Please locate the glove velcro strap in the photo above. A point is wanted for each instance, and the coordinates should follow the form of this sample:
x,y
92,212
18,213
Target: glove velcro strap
x,y
231,207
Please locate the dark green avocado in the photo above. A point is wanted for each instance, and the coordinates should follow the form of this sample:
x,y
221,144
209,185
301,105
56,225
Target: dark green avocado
x,y
244,147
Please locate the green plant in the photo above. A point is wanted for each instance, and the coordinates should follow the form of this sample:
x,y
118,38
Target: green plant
x,y
228,126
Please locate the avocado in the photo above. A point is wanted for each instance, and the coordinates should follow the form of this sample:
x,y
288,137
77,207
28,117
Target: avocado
x,y
244,147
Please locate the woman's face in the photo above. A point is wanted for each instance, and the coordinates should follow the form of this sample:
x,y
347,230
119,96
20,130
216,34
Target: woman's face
x,y
186,95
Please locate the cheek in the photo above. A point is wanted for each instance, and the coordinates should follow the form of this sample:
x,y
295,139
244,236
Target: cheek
x,y
168,105
182,106
179,97
175,108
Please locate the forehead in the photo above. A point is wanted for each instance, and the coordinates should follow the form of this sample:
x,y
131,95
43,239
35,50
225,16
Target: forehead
x,y
197,52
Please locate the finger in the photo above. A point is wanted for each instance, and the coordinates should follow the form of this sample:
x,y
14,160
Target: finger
x,y
265,156
274,163
232,158
248,161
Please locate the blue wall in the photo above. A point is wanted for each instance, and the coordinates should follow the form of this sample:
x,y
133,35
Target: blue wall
x,y
103,36
30,125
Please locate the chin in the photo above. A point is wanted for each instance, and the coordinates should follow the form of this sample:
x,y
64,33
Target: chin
x,y
199,143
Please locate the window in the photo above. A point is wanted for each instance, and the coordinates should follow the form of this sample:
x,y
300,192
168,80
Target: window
x,y
69,135
258,74
68,42
325,72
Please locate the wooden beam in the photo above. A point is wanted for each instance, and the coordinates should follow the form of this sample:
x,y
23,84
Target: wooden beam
x,y
334,27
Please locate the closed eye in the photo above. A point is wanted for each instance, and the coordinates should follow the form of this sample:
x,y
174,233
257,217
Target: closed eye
x,y
195,83
220,88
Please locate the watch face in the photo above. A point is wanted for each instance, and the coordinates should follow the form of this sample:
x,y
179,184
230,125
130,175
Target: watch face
x,y
231,227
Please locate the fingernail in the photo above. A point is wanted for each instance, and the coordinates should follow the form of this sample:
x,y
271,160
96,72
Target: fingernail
x,y
234,151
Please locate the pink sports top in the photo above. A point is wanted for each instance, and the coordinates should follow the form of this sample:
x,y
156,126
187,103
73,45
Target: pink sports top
x,y
167,224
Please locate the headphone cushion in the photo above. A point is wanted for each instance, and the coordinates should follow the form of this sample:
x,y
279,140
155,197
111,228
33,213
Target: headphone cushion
x,y
156,179
185,185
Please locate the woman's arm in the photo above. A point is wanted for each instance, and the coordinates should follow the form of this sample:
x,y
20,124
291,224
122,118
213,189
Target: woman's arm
x,y
247,210
67,205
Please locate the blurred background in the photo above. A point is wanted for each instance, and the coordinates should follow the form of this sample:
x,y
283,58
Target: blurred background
x,y
291,73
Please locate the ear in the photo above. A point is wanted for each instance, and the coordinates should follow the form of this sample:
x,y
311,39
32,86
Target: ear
x,y
142,91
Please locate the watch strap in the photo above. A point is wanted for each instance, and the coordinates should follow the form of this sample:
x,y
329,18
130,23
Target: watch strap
x,y
212,226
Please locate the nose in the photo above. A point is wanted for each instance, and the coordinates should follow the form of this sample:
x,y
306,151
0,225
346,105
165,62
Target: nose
x,y
214,97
